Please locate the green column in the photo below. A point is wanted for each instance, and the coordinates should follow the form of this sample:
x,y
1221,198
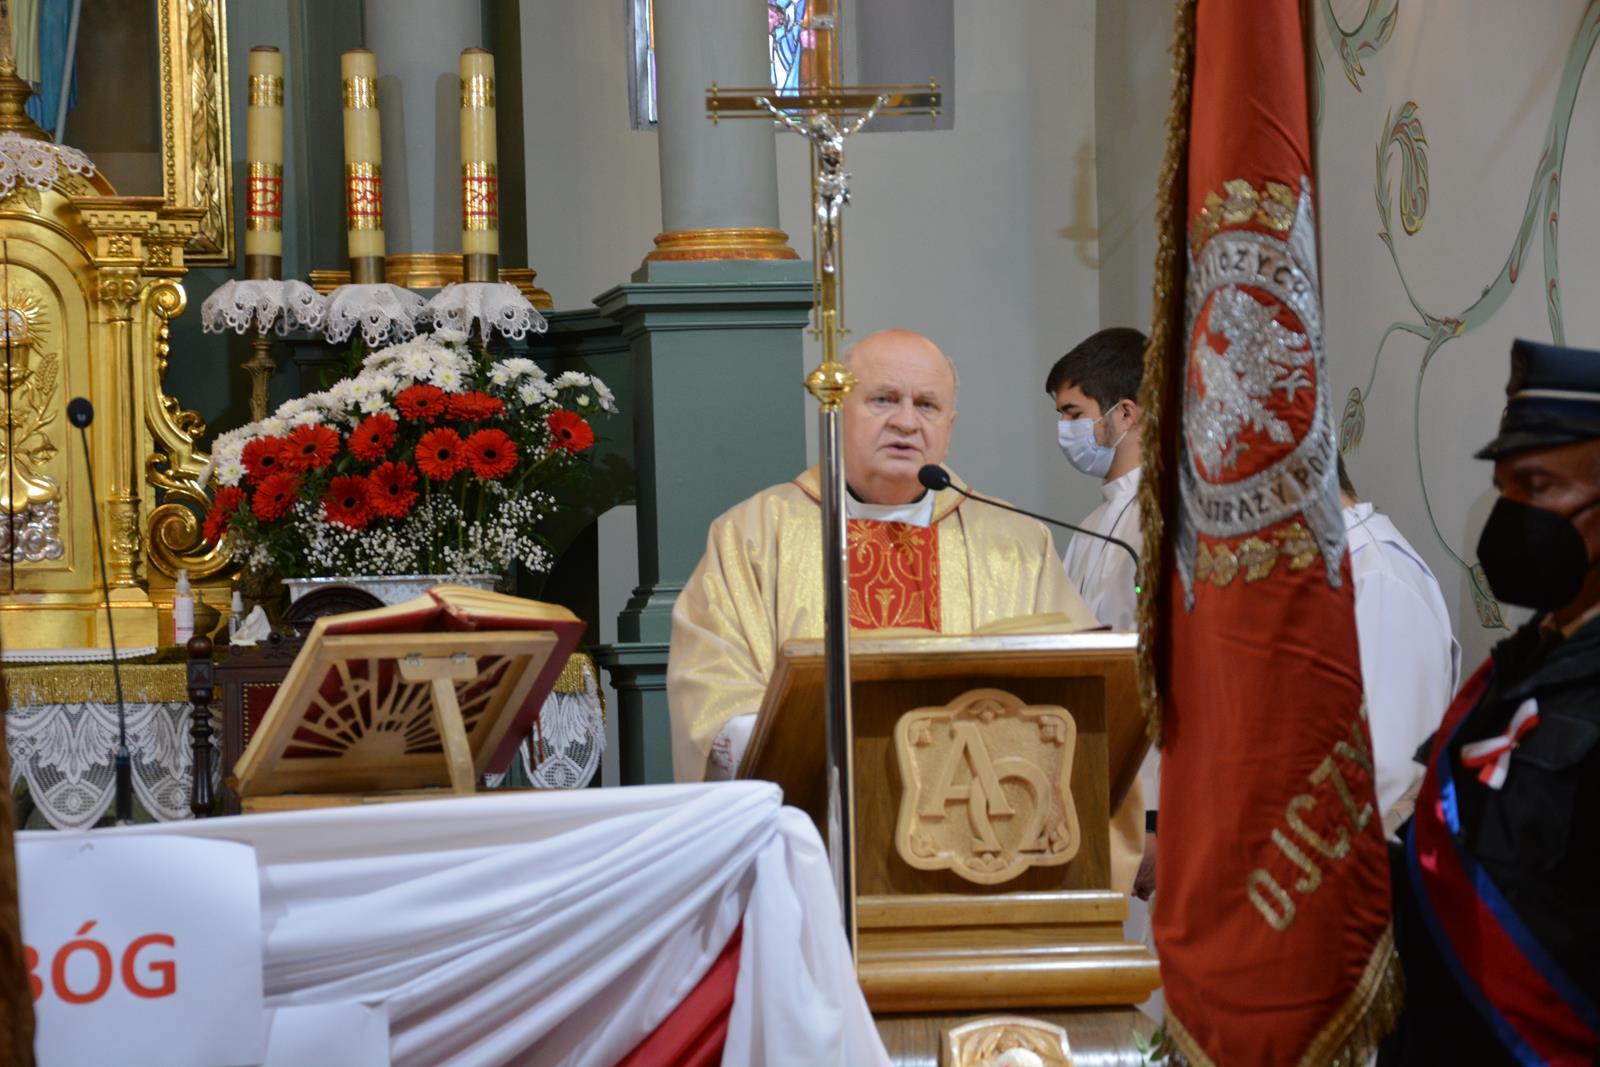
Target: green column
x,y
718,365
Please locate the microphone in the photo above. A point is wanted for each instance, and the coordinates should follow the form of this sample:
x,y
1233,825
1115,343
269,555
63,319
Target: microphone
x,y
81,413
936,477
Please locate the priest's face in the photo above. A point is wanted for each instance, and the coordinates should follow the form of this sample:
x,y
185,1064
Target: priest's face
x,y
899,415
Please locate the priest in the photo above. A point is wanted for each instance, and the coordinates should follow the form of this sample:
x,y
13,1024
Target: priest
x,y
919,560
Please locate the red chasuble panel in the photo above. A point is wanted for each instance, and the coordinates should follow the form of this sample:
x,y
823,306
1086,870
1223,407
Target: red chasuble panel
x,y
894,576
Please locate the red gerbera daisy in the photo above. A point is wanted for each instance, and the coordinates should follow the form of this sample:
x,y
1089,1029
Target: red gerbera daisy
x,y
223,506
227,500
439,454
310,446
346,502
420,403
568,431
371,440
473,406
263,456
390,490
491,453
275,496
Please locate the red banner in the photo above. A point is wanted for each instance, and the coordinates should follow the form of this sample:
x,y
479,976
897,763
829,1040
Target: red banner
x,y
1272,904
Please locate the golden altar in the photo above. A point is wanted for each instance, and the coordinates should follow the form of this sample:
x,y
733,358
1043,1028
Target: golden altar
x,y
89,283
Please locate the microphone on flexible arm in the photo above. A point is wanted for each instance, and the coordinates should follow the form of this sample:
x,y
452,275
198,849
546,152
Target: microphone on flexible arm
x,y
81,413
936,477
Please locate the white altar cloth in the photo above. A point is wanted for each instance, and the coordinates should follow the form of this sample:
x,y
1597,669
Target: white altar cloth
x,y
557,928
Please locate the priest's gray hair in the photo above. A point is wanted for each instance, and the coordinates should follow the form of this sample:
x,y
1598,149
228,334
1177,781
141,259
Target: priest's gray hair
x,y
955,375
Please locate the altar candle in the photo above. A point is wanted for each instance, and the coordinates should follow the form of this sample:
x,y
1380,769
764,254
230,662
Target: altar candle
x,y
263,229
363,165
480,181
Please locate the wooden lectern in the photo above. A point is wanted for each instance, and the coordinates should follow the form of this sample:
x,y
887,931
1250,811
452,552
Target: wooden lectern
x,y
986,769
413,700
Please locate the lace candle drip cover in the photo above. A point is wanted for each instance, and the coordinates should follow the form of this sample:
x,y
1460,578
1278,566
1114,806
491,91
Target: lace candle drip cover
x,y
492,306
381,311
263,306
37,164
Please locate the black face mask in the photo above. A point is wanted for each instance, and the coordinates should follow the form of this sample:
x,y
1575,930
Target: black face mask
x,y
1532,557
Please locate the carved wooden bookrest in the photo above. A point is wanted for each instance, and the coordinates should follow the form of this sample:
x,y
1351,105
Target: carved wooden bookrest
x,y
417,699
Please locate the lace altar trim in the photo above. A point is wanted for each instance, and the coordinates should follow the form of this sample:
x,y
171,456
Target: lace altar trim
x,y
492,306
263,306
384,312
63,752
37,164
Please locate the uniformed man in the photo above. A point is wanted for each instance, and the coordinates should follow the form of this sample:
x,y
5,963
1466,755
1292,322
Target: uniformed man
x,y
1497,879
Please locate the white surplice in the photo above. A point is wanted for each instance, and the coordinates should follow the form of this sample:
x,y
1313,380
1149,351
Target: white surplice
x,y
1104,573
1410,660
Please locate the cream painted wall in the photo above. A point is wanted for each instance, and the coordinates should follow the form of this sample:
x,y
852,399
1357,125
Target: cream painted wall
x,y
594,200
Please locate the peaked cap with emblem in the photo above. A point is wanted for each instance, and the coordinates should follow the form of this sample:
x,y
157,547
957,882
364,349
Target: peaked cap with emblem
x,y
1553,398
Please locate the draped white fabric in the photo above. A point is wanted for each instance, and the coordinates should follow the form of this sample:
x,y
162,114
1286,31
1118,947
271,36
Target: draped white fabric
x,y
561,927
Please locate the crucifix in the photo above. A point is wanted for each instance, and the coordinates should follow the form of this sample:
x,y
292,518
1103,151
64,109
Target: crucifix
x,y
827,114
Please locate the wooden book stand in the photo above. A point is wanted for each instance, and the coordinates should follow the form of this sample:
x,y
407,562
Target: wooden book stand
x,y
414,700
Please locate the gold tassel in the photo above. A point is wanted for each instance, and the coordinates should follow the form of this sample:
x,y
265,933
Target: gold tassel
x,y
1163,368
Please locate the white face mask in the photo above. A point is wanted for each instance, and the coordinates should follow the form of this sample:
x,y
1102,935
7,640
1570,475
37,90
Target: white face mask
x,y
1078,444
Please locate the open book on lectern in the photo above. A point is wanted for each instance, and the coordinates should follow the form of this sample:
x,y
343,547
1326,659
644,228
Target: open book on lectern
x,y
411,699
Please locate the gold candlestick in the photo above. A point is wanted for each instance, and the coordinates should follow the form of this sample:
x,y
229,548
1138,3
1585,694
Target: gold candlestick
x,y
480,182
363,166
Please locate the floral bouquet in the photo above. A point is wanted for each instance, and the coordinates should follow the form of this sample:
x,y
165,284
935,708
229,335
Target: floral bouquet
x,y
433,459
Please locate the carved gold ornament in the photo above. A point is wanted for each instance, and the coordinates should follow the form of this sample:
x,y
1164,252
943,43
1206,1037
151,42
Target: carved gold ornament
x,y
1006,1041
1271,206
986,787
196,148
1254,558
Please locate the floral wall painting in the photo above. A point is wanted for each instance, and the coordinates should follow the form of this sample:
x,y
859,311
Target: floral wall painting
x,y
1405,56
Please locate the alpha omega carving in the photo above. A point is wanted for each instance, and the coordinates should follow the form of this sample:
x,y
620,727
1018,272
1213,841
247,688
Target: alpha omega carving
x,y
986,787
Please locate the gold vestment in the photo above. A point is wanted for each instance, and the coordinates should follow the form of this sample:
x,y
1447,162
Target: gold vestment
x,y
760,584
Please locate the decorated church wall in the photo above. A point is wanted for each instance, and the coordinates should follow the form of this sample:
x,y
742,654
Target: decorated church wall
x,y
1459,169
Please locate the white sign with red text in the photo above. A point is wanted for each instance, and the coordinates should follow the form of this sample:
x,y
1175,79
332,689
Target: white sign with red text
x,y
142,950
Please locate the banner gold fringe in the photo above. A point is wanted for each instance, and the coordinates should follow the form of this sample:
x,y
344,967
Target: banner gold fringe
x,y
16,1000
1351,1037
1159,397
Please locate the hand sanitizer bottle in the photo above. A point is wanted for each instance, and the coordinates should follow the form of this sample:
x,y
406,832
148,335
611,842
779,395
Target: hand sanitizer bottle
x,y
182,611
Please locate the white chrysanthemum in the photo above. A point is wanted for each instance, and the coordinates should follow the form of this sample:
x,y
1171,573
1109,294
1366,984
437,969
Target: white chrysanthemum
x,y
583,400
375,403
273,426
608,401
308,417
345,392
499,374
533,393
446,377
571,379
229,472
415,364
450,337
292,407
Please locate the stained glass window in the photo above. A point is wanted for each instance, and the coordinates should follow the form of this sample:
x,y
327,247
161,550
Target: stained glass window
x,y
788,52
788,44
